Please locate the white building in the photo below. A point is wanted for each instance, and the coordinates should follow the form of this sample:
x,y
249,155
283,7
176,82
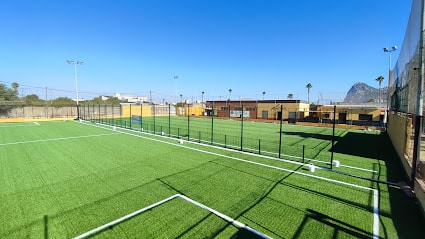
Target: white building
x,y
131,98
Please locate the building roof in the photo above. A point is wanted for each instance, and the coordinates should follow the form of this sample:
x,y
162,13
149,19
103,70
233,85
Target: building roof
x,y
257,101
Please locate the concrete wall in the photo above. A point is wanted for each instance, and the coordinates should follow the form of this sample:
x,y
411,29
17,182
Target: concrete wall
x,y
399,131
34,112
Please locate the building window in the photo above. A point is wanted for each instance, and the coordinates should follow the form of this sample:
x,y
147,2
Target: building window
x,y
365,117
224,108
250,109
326,115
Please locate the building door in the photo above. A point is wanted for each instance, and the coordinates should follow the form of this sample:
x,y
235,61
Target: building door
x,y
292,117
342,118
265,114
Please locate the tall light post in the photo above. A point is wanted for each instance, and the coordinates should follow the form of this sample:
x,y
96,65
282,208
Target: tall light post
x,y
75,63
393,48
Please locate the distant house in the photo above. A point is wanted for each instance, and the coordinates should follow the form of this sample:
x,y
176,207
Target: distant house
x,y
126,97
363,114
259,109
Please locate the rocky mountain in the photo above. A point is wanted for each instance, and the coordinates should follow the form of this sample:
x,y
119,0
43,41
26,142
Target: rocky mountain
x,y
362,93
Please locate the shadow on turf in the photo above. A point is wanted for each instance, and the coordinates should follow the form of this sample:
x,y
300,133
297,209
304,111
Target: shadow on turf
x,y
361,144
245,234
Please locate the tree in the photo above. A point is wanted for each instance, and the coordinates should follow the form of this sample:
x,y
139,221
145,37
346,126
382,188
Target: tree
x,y
264,93
15,86
230,93
290,96
62,102
380,79
33,100
309,86
7,94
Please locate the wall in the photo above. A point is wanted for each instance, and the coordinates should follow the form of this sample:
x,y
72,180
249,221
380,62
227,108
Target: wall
x,y
399,131
33,112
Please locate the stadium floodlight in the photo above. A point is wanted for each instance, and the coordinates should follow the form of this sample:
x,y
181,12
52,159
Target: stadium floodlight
x,y
75,63
393,48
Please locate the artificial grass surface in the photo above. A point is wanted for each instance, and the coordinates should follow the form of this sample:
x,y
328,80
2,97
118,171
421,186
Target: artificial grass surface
x,y
61,179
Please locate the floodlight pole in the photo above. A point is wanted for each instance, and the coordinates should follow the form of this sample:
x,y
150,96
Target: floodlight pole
x,y
75,63
393,48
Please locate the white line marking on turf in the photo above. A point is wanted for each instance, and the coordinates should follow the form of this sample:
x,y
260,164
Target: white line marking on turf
x,y
128,216
375,214
242,152
36,123
56,139
13,125
375,192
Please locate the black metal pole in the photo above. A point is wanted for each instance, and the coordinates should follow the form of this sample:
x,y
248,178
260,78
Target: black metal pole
x,y
78,111
212,124
242,130
333,138
280,131
259,146
169,120
188,123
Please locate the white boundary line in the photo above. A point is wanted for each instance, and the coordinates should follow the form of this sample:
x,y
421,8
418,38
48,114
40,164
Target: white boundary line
x,y
56,139
7,125
99,125
375,191
133,214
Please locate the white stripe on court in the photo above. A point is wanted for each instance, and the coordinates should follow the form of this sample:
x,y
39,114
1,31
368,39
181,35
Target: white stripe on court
x,y
56,139
375,191
36,123
128,216
7,125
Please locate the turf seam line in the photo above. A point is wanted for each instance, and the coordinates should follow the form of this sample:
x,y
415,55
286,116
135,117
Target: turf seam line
x,y
56,139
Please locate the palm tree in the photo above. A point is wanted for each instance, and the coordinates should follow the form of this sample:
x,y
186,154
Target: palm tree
x,y
15,86
309,86
264,94
380,79
290,96
230,93
202,96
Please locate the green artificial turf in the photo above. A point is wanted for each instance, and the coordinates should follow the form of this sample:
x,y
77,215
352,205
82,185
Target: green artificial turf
x,y
61,179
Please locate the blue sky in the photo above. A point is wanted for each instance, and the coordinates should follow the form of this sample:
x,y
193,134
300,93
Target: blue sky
x,y
249,46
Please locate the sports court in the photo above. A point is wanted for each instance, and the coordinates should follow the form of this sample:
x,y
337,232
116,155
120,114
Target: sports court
x,y
68,179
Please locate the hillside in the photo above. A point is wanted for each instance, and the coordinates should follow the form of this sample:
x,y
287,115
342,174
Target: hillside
x,y
362,93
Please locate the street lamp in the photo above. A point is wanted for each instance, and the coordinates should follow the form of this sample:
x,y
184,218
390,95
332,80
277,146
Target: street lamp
x,y
393,48
75,63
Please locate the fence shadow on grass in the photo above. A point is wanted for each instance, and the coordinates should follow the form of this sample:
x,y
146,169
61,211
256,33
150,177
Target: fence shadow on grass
x,y
314,135
337,225
361,144
406,212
